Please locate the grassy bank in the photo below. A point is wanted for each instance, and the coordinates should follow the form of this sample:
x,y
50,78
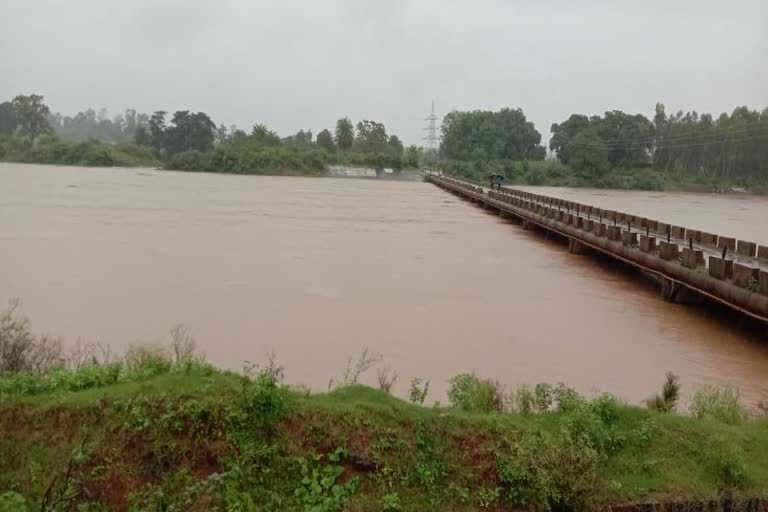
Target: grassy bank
x,y
149,433
158,429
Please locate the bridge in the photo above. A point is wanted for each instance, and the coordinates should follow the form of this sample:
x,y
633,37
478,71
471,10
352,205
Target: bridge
x,y
689,264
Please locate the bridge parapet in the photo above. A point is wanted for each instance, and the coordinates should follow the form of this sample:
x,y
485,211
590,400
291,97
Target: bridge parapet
x,y
734,272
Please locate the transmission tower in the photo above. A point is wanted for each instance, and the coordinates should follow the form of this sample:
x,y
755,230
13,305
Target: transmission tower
x,y
431,138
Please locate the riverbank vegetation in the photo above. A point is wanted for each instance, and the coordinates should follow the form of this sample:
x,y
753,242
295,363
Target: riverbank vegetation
x,y
189,141
616,150
159,429
680,151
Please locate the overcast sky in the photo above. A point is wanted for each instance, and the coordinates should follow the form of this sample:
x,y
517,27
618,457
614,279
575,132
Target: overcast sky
x,y
303,64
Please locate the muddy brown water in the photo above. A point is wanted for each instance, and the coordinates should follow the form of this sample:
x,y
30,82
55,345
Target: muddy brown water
x,y
315,269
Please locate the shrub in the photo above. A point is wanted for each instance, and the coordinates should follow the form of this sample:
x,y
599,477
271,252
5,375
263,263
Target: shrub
x,y
722,404
320,489
390,502
189,161
545,470
81,354
97,155
605,408
19,349
183,344
387,378
16,339
535,177
470,393
355,368
149,359
566,398
12,502
666,402
130,155
525,400
543,397
587,424
416,393
261,401
726,462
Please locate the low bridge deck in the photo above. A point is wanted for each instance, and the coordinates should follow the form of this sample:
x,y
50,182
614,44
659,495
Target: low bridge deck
x,y
734,273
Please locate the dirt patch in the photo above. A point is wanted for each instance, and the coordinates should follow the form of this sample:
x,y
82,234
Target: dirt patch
x,y
477,451
114,486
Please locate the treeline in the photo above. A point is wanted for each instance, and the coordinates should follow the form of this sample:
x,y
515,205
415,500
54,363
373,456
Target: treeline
x,y
734,146
188,140
264,151
615,150
87,125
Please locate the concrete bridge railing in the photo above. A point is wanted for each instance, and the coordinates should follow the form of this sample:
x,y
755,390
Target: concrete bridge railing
x,y
734,272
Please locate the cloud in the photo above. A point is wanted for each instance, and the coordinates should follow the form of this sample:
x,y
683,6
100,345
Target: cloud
x,y
303,64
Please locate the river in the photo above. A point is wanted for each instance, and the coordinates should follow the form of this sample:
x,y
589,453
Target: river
x,y
316,269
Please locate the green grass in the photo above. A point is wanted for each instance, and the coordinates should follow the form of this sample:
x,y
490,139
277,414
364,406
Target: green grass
x,y
194,385
199,439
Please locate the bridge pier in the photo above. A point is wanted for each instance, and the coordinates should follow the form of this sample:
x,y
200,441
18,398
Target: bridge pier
x,y
576,247
675,293
679,273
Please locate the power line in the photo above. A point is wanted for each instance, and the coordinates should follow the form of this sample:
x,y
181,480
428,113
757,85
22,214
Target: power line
x,y
726,133
668,146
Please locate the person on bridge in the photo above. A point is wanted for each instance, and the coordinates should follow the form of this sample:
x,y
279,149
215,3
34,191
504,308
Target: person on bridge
x,y
499,179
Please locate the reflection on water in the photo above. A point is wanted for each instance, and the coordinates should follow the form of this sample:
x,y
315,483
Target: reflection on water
x,y
316,269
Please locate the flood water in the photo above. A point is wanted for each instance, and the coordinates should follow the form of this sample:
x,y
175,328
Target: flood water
x,y
315,269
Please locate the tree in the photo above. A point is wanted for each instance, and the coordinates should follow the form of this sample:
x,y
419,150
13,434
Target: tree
x,y
263,136
395,146
222,134
371,137
157,129
31,116
190,131
629,138
563,133
588,155
301,141
141,136
325,141
733,147
90,125
411,158
485,135
345,134
7,119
